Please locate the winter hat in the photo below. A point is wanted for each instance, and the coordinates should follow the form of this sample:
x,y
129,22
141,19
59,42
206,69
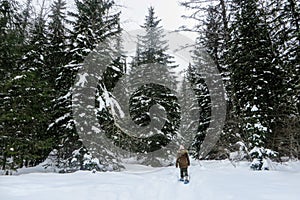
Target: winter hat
x,y
181,147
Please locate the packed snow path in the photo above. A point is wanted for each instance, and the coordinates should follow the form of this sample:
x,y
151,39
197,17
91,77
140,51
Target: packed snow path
x,y
210,181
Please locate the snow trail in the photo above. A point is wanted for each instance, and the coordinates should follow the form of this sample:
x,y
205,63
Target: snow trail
x,y
214,180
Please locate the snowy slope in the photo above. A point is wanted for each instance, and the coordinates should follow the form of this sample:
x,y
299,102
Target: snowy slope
x,y
214,180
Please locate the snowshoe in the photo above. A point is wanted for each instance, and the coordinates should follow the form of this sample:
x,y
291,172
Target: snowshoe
x,y
186,180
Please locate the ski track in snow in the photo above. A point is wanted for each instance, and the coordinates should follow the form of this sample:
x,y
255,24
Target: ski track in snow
x,y
216,180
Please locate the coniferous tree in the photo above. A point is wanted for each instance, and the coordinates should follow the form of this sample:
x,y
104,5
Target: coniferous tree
x,y
151,60
94,22
11,50
35,101
212,40
255,77
202,104
277,23
56,58
10,23
284,18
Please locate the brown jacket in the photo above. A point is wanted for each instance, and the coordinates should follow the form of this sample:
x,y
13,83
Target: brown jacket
x,y
182,159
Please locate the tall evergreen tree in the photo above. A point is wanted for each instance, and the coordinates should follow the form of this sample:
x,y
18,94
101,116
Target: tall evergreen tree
x,y
94,22
151,60
255,75
56,58
37,97
10,23
284,18
29,102
212,28
11,49
202,104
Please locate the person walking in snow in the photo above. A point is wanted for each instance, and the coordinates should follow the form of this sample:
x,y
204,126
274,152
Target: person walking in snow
x,y
183,162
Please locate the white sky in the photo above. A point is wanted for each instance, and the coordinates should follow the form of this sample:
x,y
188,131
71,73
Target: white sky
x,y
134,12
133,15
170,12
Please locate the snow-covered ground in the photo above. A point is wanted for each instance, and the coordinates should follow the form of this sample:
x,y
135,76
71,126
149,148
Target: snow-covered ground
x,y
212,180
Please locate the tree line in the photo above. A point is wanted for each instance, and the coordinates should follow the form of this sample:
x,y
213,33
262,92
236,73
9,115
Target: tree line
x,y
254,44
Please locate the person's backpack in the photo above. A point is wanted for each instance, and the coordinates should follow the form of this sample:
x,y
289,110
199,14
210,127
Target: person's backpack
x,y
183,159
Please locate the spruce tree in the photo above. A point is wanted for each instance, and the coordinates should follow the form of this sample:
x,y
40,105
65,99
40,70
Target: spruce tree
x,y
285,22
56,58
255,77
202,104
94,22
152,60
38,94
11,50
212,26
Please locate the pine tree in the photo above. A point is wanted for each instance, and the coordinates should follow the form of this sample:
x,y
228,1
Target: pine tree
x,y
55,60
151,60
11,50
37,97
202,104
10,21
253,72
213,36
94,22
285,22
29,94
212,26
57,38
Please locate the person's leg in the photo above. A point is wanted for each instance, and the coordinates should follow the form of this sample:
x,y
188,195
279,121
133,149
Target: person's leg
x,y
185,172
181,173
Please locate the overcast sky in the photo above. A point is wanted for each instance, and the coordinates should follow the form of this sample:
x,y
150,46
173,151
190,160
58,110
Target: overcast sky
x,y
134,11
170,12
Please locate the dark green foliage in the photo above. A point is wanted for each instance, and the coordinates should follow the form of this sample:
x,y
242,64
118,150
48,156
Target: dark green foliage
x,y
256,81
201,91
285,34
38,65
255,45
11,47
93,23
151,58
